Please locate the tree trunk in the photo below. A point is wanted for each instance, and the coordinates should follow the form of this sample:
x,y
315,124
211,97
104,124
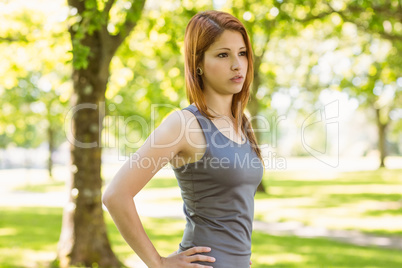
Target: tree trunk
x,y
381,128
254,108
83,240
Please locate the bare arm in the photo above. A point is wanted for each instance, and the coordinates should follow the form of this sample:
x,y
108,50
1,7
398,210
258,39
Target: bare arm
x,y
163,144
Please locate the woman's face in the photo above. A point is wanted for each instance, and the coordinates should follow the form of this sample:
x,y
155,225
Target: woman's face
x,y
225,64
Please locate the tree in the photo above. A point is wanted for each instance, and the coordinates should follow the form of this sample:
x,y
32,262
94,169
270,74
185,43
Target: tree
x,y
379,19
33,95
95,37
149,71
30,107
377,91
260,29
266,23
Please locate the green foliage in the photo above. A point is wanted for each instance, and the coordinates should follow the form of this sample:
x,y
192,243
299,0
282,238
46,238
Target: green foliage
x,y
32,110
86,22
90,4
80,55
149,69
288,36
34,92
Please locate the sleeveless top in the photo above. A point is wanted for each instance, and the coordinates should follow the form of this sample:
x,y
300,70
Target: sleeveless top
x,y
218,197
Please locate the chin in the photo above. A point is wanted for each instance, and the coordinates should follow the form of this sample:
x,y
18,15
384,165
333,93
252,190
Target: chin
x,y
239,90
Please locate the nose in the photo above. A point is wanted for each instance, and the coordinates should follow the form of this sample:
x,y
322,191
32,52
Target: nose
x,y
235,64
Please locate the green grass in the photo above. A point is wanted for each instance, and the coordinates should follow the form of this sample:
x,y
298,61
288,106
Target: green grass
x,y
333,200
59,186
29,236
161,183
288,251
385,212
368,201
26,232
51,186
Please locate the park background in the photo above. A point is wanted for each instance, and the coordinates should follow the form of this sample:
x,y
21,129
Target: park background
x,y
83,84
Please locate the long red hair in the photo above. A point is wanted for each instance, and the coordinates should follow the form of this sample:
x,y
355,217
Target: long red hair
x,y
201,32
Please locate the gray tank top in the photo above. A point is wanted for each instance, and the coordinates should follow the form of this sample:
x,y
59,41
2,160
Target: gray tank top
x,y
218,194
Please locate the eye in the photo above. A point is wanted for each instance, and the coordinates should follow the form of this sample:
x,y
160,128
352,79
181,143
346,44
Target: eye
x,y
243,53
223,55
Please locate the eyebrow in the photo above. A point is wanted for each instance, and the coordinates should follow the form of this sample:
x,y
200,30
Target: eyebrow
x,y
227,48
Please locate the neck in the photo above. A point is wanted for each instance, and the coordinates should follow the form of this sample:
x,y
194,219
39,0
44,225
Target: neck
x,y
219,104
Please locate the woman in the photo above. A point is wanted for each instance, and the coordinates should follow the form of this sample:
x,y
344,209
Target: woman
x,y
212,149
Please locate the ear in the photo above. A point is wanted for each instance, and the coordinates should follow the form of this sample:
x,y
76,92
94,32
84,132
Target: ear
x,y
201,64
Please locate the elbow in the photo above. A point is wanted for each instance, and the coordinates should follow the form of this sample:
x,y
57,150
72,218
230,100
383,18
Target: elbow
x,y
107,198
115,197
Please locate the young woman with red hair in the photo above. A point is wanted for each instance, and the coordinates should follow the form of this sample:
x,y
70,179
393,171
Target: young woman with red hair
x,y
213,151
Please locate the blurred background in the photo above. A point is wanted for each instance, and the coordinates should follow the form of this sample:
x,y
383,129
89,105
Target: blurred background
x,y
84,83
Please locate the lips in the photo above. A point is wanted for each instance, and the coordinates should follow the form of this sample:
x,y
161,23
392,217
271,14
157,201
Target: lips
x,y
238,78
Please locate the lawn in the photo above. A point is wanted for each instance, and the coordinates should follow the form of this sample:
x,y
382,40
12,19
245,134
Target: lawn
x,y
29,239
368,201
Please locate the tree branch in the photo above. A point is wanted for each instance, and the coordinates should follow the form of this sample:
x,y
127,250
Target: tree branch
x,y
385,11
79,5
377,10
389,36
112,42
310,18
270,25
108,7
399,6
9,39
132,16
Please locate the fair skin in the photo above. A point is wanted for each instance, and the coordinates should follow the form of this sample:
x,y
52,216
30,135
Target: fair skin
x,y
180,140
225,58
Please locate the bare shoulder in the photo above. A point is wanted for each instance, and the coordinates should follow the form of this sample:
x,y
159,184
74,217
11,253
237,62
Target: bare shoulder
x,y
192,141
166,142
179,125
172,129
